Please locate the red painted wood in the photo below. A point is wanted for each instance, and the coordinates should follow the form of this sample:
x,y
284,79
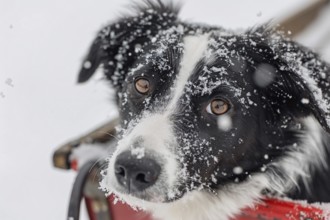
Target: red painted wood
x,y
282,210
74,164
270,209
89,206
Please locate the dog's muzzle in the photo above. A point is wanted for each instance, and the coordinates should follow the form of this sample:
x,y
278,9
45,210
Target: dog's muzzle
x,y
136,174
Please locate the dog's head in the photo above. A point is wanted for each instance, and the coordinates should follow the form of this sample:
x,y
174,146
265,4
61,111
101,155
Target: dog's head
x,y
201,107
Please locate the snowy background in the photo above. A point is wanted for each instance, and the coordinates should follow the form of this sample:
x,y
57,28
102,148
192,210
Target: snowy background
x,y
41,107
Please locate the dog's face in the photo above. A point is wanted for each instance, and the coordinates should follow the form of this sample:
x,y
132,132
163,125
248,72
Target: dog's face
x,y
199,108
183,105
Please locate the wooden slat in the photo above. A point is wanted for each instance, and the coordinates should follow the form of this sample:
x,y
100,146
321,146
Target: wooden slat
x,y
101,134
298,22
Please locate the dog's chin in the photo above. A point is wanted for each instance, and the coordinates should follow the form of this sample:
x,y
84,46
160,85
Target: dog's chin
x,y
144,196
149,196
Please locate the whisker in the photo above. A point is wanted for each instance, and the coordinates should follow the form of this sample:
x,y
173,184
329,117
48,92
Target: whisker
x,y
111,135
98,167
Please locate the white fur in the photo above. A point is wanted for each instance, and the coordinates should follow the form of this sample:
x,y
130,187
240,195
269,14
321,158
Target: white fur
x,y
302,159
194,50
201,205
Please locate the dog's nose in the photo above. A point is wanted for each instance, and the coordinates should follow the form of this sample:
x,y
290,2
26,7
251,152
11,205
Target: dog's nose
x,y
136,174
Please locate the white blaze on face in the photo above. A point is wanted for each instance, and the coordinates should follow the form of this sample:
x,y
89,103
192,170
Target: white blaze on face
x,y
194,49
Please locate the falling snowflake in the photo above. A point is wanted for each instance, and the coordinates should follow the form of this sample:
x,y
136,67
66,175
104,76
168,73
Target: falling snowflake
x,y
238,170
9,82
264,75
224,122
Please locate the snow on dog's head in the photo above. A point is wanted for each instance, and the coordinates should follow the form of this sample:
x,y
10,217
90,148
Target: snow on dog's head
x,y
203,109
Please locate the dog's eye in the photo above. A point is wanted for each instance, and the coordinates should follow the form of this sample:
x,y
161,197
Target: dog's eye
x,y
217,107
142,85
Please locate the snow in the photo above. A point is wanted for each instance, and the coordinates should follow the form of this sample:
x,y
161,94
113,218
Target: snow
x,y
139,152
41,107
264,75
238,170
87,64
305,101
224,122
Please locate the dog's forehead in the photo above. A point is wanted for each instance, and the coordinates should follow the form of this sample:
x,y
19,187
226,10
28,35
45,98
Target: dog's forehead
x,y
163,54
184,54
190,65
208,62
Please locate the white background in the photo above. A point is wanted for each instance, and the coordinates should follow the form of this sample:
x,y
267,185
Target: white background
x,y
41,107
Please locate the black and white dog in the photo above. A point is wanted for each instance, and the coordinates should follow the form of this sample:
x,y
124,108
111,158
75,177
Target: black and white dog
x,y
211,120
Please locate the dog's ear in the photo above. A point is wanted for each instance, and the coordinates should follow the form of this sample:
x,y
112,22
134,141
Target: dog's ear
x,y
307,79
93,60
117,45
294,80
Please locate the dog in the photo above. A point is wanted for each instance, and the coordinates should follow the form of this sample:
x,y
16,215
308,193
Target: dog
x,y
211,120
